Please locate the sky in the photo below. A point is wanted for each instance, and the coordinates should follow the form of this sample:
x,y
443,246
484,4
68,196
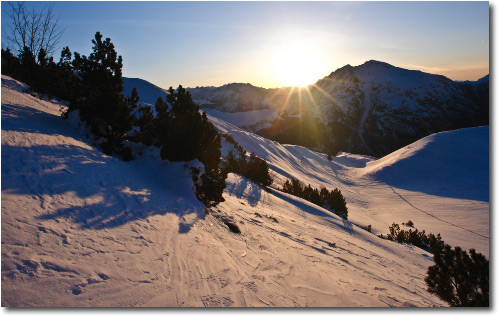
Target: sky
x,y
275,44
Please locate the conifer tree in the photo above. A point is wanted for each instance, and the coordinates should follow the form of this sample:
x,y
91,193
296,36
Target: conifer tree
x,y
10,63
146,123
162,125
132,100
65,60
210,146
324,195
29,67
338,203
65,80
184,134
99,100
185,130
459,279
258,171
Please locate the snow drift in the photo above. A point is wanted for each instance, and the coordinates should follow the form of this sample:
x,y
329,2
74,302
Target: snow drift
x,y
451,164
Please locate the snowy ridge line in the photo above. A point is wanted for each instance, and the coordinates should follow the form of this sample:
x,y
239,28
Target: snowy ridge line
x,y
370,196
432,215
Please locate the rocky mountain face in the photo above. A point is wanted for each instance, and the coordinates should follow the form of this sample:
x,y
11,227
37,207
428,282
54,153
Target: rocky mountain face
x,y
373,109
233,97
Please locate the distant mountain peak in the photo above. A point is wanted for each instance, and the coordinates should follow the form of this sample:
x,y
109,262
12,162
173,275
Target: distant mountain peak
x,y
343,70
370,65
483,79
373,62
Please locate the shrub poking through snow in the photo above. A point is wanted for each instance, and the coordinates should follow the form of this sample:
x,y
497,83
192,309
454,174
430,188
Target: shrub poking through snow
x,y
456,278
409,223
208,188
332,199
459,279
368,228
338,203
415,237
256,169
233,227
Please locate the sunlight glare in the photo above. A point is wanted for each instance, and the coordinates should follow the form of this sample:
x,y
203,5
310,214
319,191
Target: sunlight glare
x,y
299,67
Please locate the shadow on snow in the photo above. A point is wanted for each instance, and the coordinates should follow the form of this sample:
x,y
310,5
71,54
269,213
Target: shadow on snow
x,y
104,192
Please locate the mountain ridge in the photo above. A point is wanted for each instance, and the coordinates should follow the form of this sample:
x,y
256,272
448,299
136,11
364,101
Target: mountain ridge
x,y
372,109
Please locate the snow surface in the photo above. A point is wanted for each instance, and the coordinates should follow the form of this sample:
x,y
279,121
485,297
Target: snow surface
x,y
80,228
148,92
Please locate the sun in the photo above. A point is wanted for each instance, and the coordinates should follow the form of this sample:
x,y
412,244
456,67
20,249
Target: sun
x,y
298,67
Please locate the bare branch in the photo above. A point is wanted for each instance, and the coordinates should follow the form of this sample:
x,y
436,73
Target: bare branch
x,y
35,30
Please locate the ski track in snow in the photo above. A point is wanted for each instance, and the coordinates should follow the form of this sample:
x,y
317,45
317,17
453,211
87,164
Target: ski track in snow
x,y
435,217
80,228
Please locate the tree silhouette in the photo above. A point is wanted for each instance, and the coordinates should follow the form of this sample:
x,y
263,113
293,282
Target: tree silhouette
x,y
99,100
459,279
31,29
338,203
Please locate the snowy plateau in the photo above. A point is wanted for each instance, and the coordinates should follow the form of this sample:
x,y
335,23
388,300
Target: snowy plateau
x,y
80,228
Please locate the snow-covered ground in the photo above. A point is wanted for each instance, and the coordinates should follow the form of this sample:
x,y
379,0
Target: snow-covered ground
x,y
80,228
438,182
148,92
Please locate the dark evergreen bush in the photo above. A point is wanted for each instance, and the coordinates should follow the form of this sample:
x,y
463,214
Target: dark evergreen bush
x,y
147,126
10,64
459,279
235,161
409,223
258,171
294,187
183,134
209,190
99,97
338,203
333,199
368,228
233,227
417,238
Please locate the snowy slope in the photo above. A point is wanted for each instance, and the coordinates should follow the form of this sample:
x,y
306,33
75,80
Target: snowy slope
x,y
147,91
80,228
458,159
437,182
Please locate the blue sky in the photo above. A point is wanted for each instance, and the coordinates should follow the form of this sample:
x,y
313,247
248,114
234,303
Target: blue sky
x,y
273,44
